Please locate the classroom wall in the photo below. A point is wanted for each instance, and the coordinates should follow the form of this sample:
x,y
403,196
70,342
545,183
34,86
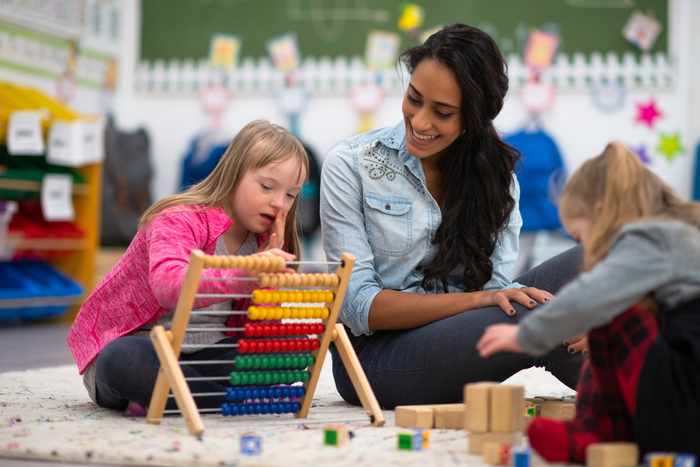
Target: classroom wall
x,y
580,129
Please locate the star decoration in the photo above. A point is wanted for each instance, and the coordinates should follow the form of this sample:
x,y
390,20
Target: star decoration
x,y
670,145
648,113
643,153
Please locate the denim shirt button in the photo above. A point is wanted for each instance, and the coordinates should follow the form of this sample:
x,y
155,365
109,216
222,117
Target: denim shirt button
x,y
387,207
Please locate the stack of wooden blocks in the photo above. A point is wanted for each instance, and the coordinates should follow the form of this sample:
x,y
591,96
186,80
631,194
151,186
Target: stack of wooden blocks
x,y
444,416
494,418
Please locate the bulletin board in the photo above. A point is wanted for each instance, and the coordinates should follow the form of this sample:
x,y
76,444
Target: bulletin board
x,y
182,29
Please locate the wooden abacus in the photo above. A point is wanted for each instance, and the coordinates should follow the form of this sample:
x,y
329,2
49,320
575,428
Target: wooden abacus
x,y
322,305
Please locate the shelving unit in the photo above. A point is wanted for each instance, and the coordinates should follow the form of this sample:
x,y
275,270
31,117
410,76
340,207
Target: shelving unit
x,y
74,257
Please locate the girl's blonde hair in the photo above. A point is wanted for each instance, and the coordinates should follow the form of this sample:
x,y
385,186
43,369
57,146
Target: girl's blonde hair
x,y
615,188
258,144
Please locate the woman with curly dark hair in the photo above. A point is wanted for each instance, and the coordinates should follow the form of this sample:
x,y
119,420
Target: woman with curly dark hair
x,y
430,210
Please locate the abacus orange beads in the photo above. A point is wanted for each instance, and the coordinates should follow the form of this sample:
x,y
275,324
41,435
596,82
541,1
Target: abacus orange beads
x,y
252,263
298,280
294,296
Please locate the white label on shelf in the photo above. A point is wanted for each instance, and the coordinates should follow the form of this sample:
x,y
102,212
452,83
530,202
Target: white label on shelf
x,y
24,133
66,144
56,200
93,141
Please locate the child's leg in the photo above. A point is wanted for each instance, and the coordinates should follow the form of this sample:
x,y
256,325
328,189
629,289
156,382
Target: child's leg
x,y
127,368
603,395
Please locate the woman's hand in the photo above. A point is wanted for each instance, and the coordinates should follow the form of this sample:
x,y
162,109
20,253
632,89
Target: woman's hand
x,y
529,297
499,338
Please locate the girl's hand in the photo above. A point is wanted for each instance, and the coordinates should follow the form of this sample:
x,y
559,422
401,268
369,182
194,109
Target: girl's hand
x,y
578,344
499,338
281,253
528,297
275,237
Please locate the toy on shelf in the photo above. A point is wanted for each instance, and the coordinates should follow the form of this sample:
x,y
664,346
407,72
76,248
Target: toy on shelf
x,y
278,363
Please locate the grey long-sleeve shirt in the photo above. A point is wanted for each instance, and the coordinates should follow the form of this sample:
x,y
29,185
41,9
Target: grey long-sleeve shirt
x,y
652,255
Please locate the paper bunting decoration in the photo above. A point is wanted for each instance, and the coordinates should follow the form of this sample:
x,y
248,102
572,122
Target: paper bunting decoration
x,y
670,145
382,50
642,152
284,52
540,49
648,113
223,51
642,30
412,17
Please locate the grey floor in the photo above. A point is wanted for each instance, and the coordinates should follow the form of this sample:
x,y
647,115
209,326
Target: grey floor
x,y
33,345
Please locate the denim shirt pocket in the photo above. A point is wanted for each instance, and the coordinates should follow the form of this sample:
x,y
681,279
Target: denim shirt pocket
x,y
389,222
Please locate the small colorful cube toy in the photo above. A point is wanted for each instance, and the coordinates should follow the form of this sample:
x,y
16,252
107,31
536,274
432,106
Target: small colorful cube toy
x,y
415,441
335,435
251,444
669,459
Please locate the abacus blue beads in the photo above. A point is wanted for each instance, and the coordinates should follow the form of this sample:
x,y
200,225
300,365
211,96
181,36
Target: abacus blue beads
x,y
228,408
275,392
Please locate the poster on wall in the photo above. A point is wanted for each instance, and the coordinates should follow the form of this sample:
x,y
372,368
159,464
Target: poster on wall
x,y
223,52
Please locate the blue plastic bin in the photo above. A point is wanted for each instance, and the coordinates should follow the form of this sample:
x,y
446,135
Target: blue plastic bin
x,y
34,289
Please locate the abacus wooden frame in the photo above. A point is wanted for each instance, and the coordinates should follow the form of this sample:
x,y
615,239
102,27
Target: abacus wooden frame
x,y
168,345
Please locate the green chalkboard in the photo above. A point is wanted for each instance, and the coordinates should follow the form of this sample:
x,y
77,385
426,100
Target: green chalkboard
x,y
180,29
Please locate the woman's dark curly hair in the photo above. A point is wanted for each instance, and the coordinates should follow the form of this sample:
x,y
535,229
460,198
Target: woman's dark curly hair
x,y
477,168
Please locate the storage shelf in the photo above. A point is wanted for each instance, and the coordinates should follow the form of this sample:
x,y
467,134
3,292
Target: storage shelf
x,y
17,242
32,186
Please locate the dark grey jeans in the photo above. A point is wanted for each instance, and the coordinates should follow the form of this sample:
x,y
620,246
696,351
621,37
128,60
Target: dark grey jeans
x,y
127,369
431,364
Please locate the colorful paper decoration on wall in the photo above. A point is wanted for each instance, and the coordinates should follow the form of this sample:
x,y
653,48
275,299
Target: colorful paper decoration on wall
x,y
648,113
608,96
382,50
411,18
540,49
642,152
365,99
537,96
284,51
670,145
642,30
223,51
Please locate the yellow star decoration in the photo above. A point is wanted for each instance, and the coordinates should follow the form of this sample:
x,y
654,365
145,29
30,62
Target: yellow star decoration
x,y
670,145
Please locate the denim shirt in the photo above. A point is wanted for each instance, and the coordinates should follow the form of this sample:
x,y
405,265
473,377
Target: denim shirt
x,y
375,204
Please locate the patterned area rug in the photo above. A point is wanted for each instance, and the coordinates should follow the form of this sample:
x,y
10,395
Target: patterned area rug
x,y
46,414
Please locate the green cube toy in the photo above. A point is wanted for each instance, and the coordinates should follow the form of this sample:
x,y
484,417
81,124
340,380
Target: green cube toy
x,y
405,441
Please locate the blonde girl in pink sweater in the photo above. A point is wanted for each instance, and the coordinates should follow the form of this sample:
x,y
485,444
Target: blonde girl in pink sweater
x,y
247,205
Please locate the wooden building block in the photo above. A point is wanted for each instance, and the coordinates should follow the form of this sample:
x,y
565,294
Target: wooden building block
x,y
497,453
336,435
612,455
558,410
477,398
478,440
414,416
507,402
450,416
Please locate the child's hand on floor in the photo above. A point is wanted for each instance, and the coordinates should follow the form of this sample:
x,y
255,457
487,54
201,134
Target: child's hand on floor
x,y
499,338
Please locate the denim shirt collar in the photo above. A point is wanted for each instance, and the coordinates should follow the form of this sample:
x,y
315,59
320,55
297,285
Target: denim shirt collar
x,y
395,138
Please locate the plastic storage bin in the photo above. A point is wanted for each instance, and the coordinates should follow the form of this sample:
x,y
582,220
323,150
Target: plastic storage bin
x,y
33,289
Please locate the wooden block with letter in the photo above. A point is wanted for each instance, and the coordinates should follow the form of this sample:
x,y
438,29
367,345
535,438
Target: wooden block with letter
x,y
414,416
507,403
612,455
477,397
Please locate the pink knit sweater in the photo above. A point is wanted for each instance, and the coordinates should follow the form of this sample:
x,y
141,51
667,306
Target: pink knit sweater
x,y
145,284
